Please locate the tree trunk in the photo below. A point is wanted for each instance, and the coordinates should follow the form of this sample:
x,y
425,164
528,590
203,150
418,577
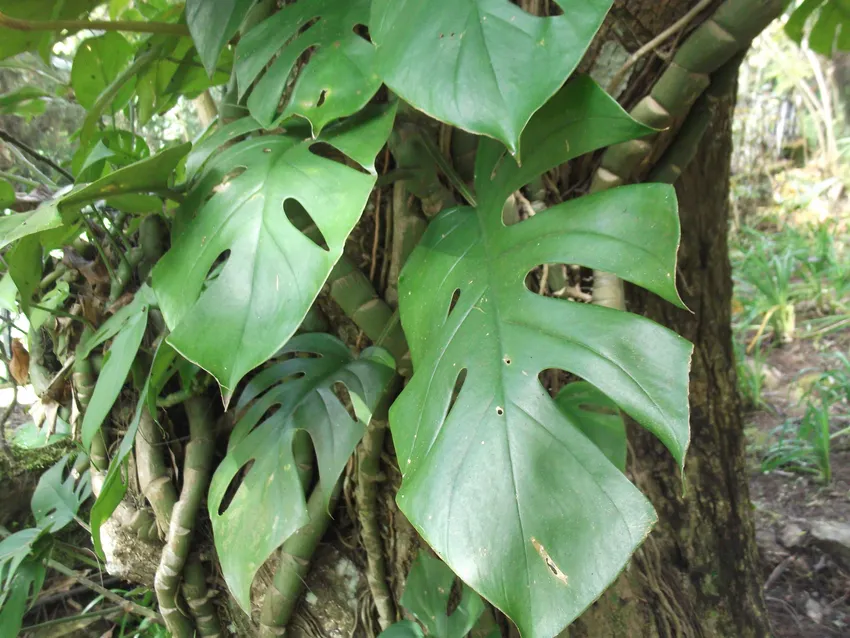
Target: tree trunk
x,y
698,573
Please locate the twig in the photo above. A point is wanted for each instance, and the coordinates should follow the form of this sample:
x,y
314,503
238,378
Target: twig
x,y
21,180
100,613
777,572
670,31
130,26
127,605
34,153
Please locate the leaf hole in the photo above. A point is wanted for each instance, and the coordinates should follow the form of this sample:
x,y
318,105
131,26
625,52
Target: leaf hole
x,y
224,182
216,267
507,361
553,379
328,152
233,487
362,31
500,410
322,97
301,219
459,381
453,302
342,393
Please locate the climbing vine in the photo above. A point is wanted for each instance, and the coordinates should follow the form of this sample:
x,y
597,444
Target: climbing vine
x,y
166,278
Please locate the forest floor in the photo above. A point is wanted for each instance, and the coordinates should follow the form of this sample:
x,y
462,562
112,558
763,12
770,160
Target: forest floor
x,y
802,522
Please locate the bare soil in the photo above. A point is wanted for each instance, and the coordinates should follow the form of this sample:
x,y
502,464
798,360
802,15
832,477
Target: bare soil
x,y
807,589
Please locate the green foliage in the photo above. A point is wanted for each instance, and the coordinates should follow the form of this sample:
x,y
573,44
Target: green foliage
x,y
269,504
340,77
13,41
279,267
504,452
436,55
55,503
98,62
7,194
598,418
426,596
825,22
523,495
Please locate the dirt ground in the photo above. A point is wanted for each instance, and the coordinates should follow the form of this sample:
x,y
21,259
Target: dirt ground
x,y
807,578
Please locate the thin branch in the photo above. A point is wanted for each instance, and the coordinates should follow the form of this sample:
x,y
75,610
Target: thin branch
x,y
130,26
657,41
447,169
21,180
34,153
127,605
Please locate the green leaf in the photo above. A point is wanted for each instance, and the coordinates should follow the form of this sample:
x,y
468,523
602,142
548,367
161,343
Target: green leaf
x,y
30,437
114,488
151,174
7,194
598,417
274,271
13,550
340,77
8,294
437,54
828,22
426,596
97,63
269,506
14,41
112,326
25,586
500,482
796,24
213,24
25,266
220,135
403,629
116,367
17,225
56,499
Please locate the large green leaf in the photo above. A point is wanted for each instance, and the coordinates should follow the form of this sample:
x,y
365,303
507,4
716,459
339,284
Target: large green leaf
x,y
13,550
507,490
403,629
340,77
14,41
25,266
426,596
485,66
274,271
116,367
269,506
598,418
213,24
97,63
57,498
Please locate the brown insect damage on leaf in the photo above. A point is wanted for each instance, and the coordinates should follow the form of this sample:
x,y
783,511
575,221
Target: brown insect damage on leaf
x,y
556,571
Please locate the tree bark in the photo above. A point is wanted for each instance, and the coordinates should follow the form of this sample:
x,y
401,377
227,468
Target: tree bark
x,y
698,573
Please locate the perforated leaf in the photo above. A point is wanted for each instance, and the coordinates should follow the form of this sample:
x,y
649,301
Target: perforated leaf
x,y
58,496
499,481
426,596
273,271
269,505
340,77
485,66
